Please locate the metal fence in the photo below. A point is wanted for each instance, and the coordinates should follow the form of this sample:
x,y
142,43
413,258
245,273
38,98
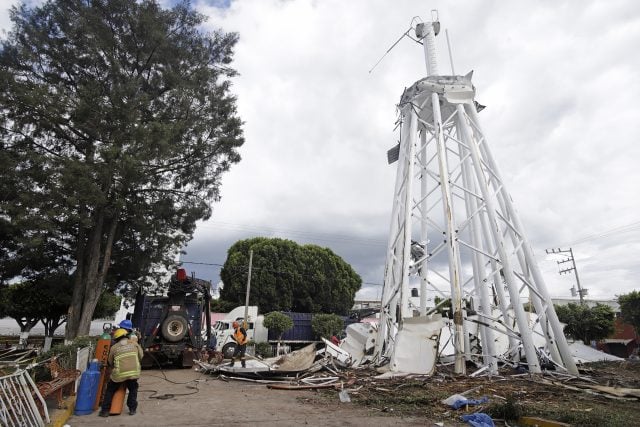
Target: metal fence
x,y
21,404
18,407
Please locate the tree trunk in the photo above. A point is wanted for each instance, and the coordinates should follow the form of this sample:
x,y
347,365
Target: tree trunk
x,y
92,266
25,329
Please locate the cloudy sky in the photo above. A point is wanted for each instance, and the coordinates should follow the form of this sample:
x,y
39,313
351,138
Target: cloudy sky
x,y
560,83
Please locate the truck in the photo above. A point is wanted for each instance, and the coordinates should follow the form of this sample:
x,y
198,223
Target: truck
x,y
171,326
301,334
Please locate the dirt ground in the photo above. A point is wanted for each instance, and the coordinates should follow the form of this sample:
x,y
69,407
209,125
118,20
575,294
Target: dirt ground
x,y
187,397
214,402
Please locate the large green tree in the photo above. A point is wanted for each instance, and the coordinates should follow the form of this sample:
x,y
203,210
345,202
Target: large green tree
x,y
116,122
586,323
289,277
630,308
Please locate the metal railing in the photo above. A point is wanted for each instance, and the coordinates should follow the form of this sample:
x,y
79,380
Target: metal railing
x,y
18,407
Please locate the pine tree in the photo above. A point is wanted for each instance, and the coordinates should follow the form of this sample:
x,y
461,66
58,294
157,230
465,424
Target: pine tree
x,y
117,120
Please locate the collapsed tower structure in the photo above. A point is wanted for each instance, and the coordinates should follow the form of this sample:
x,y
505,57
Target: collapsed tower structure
x,y
455,235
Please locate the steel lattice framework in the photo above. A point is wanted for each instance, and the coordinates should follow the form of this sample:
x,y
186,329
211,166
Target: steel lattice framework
x,y
454,230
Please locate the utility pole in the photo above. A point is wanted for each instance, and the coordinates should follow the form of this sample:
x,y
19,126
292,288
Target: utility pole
x,y
246,301
570,258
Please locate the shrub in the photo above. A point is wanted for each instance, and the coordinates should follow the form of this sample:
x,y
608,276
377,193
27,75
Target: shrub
x,y
326,325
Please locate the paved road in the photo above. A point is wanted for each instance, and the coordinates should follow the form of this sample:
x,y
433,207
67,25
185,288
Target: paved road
x,y
234,403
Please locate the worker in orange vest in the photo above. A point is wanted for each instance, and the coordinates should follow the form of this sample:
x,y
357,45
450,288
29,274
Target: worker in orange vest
x,y
240,337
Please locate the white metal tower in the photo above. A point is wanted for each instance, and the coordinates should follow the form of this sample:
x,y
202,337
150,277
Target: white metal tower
x,y
455,233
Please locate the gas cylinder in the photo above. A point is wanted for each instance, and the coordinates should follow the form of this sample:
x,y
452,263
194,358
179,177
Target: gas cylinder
x,y
87,389
118,401
102,354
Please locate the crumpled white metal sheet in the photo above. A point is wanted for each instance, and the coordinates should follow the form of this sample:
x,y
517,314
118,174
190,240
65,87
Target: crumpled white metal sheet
x,y
416,345
360,341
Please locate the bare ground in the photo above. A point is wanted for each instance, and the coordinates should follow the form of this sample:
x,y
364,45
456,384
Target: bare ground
x,y
187,397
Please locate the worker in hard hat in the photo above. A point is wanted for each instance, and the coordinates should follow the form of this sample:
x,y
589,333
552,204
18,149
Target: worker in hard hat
x,y
128,326
124,358
240,337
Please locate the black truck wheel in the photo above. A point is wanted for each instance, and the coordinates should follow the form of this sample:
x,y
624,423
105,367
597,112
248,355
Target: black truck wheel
x,y
174,328
228,350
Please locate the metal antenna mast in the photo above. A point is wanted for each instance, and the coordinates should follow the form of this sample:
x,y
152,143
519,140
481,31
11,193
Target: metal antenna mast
x,y
455,232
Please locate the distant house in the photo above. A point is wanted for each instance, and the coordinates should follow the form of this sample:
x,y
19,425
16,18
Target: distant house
x,y
624,342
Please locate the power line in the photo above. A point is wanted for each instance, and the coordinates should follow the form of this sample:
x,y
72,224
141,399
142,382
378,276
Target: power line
x,y
616,230
293,233
243,269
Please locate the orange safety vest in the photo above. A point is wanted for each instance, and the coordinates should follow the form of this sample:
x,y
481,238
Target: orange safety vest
x,y
240,336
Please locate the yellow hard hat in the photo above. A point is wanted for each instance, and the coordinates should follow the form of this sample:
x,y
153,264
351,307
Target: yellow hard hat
x,y
119,333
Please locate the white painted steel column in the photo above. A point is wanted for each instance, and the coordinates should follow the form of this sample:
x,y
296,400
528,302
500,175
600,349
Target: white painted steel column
x,y
514,294
497,278
471,203
455,278
395,247
408,203
560,339
424,279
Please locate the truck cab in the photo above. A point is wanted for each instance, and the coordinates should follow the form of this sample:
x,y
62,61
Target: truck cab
x,y
223,329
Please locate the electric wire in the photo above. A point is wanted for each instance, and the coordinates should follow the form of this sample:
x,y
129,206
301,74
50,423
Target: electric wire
x,y
616,230
245,269
293,233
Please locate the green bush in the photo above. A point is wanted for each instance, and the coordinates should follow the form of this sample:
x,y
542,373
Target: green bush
x,y
278,322
326,325
66,355
263,349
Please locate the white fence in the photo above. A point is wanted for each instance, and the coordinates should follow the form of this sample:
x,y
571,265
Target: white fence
x,y
20,400
18,406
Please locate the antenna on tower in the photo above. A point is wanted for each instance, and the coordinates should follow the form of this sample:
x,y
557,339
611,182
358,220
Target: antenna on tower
x,y
405,34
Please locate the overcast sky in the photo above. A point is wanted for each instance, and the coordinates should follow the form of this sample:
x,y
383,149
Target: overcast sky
x,y
560,83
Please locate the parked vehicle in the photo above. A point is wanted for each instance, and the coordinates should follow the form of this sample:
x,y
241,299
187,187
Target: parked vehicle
x,y
298,336
170,325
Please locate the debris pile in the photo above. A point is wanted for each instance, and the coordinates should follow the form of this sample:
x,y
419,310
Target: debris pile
x,y
604,389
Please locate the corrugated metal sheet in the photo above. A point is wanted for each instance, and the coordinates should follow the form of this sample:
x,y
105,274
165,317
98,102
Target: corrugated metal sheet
x,y
301,330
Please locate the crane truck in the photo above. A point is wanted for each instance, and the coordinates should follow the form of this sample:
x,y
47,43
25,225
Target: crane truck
x,y
171,326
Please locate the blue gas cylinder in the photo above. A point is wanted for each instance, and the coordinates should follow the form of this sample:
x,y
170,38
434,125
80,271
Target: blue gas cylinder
x,y
87,389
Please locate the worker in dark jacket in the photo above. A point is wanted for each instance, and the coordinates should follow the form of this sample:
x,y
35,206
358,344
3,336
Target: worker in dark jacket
x,y
124,358
240,337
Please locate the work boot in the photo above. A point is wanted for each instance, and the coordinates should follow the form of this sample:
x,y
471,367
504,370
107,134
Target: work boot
x,y
103,414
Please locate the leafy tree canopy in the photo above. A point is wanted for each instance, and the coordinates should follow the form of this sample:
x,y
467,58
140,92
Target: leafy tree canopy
x,y
278,322
289,277
116,122
47,300
586,323
325,325
630,308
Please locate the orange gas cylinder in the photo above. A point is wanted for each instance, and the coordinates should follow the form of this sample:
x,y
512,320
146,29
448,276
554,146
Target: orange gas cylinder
x,y
118,401
102,354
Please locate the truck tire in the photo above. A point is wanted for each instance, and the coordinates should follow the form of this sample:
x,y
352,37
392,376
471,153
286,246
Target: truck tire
x,y
174,328
228,350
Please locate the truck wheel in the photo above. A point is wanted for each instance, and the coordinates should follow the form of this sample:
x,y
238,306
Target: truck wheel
x,y
228,350
174,328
